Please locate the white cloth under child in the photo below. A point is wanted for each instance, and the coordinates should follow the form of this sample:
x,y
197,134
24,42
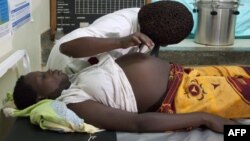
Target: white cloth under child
x,y
105,83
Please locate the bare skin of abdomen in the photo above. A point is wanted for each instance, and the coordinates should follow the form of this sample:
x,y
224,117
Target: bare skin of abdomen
x,y
148,77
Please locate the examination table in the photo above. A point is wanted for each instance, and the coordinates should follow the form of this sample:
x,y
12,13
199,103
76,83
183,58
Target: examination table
x,y
20,129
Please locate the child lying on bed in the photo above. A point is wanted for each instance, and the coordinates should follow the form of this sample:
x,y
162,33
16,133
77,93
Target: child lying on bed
x,y
141,93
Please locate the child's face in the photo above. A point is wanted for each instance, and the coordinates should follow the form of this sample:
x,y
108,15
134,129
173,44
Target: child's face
x,y
47,84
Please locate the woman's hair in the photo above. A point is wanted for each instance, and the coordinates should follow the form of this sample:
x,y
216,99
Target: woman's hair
x,y
165,22
24,95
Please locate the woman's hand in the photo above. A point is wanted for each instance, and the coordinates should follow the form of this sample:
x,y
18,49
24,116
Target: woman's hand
x,y
136,39
217,123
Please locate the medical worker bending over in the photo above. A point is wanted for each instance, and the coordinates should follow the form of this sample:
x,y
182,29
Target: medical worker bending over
x,y
120,33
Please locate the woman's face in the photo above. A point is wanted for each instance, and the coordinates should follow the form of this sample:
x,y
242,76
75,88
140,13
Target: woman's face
x,y
48,84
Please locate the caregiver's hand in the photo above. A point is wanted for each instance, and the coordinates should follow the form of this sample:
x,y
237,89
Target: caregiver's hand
x,y
136,39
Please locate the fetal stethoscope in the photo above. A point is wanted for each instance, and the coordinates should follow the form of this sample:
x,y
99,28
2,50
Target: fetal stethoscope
x,y
155,51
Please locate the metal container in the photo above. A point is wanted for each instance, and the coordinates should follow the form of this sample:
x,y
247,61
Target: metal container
x,y
216,21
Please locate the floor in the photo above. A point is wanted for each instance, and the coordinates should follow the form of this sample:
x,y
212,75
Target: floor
x,y
47,45
186,53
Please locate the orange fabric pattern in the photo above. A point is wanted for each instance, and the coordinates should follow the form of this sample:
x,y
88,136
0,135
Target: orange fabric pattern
x,y
175,77
220,90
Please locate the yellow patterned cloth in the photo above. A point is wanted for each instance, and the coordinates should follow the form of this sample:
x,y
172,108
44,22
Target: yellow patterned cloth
x,y
220,90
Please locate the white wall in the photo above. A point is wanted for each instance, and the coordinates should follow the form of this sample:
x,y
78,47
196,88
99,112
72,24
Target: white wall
x,y
26,37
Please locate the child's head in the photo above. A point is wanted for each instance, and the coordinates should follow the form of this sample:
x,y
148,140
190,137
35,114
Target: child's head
x,y
24,95
36,86
165,22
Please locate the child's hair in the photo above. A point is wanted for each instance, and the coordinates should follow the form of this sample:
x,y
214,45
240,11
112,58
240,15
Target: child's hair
x,y
23,95
165,22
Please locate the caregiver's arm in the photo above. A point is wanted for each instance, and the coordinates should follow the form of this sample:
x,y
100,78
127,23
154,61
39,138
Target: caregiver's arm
x,y
88,46
114,119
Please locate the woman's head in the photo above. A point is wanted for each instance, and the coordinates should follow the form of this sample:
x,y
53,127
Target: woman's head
x,y
165,22
36,86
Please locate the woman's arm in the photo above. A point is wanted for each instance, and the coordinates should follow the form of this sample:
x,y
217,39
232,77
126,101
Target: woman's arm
x,y
88,46
114,119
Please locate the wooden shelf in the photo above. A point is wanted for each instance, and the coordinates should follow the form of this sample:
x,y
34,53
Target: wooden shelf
x,y
52,19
